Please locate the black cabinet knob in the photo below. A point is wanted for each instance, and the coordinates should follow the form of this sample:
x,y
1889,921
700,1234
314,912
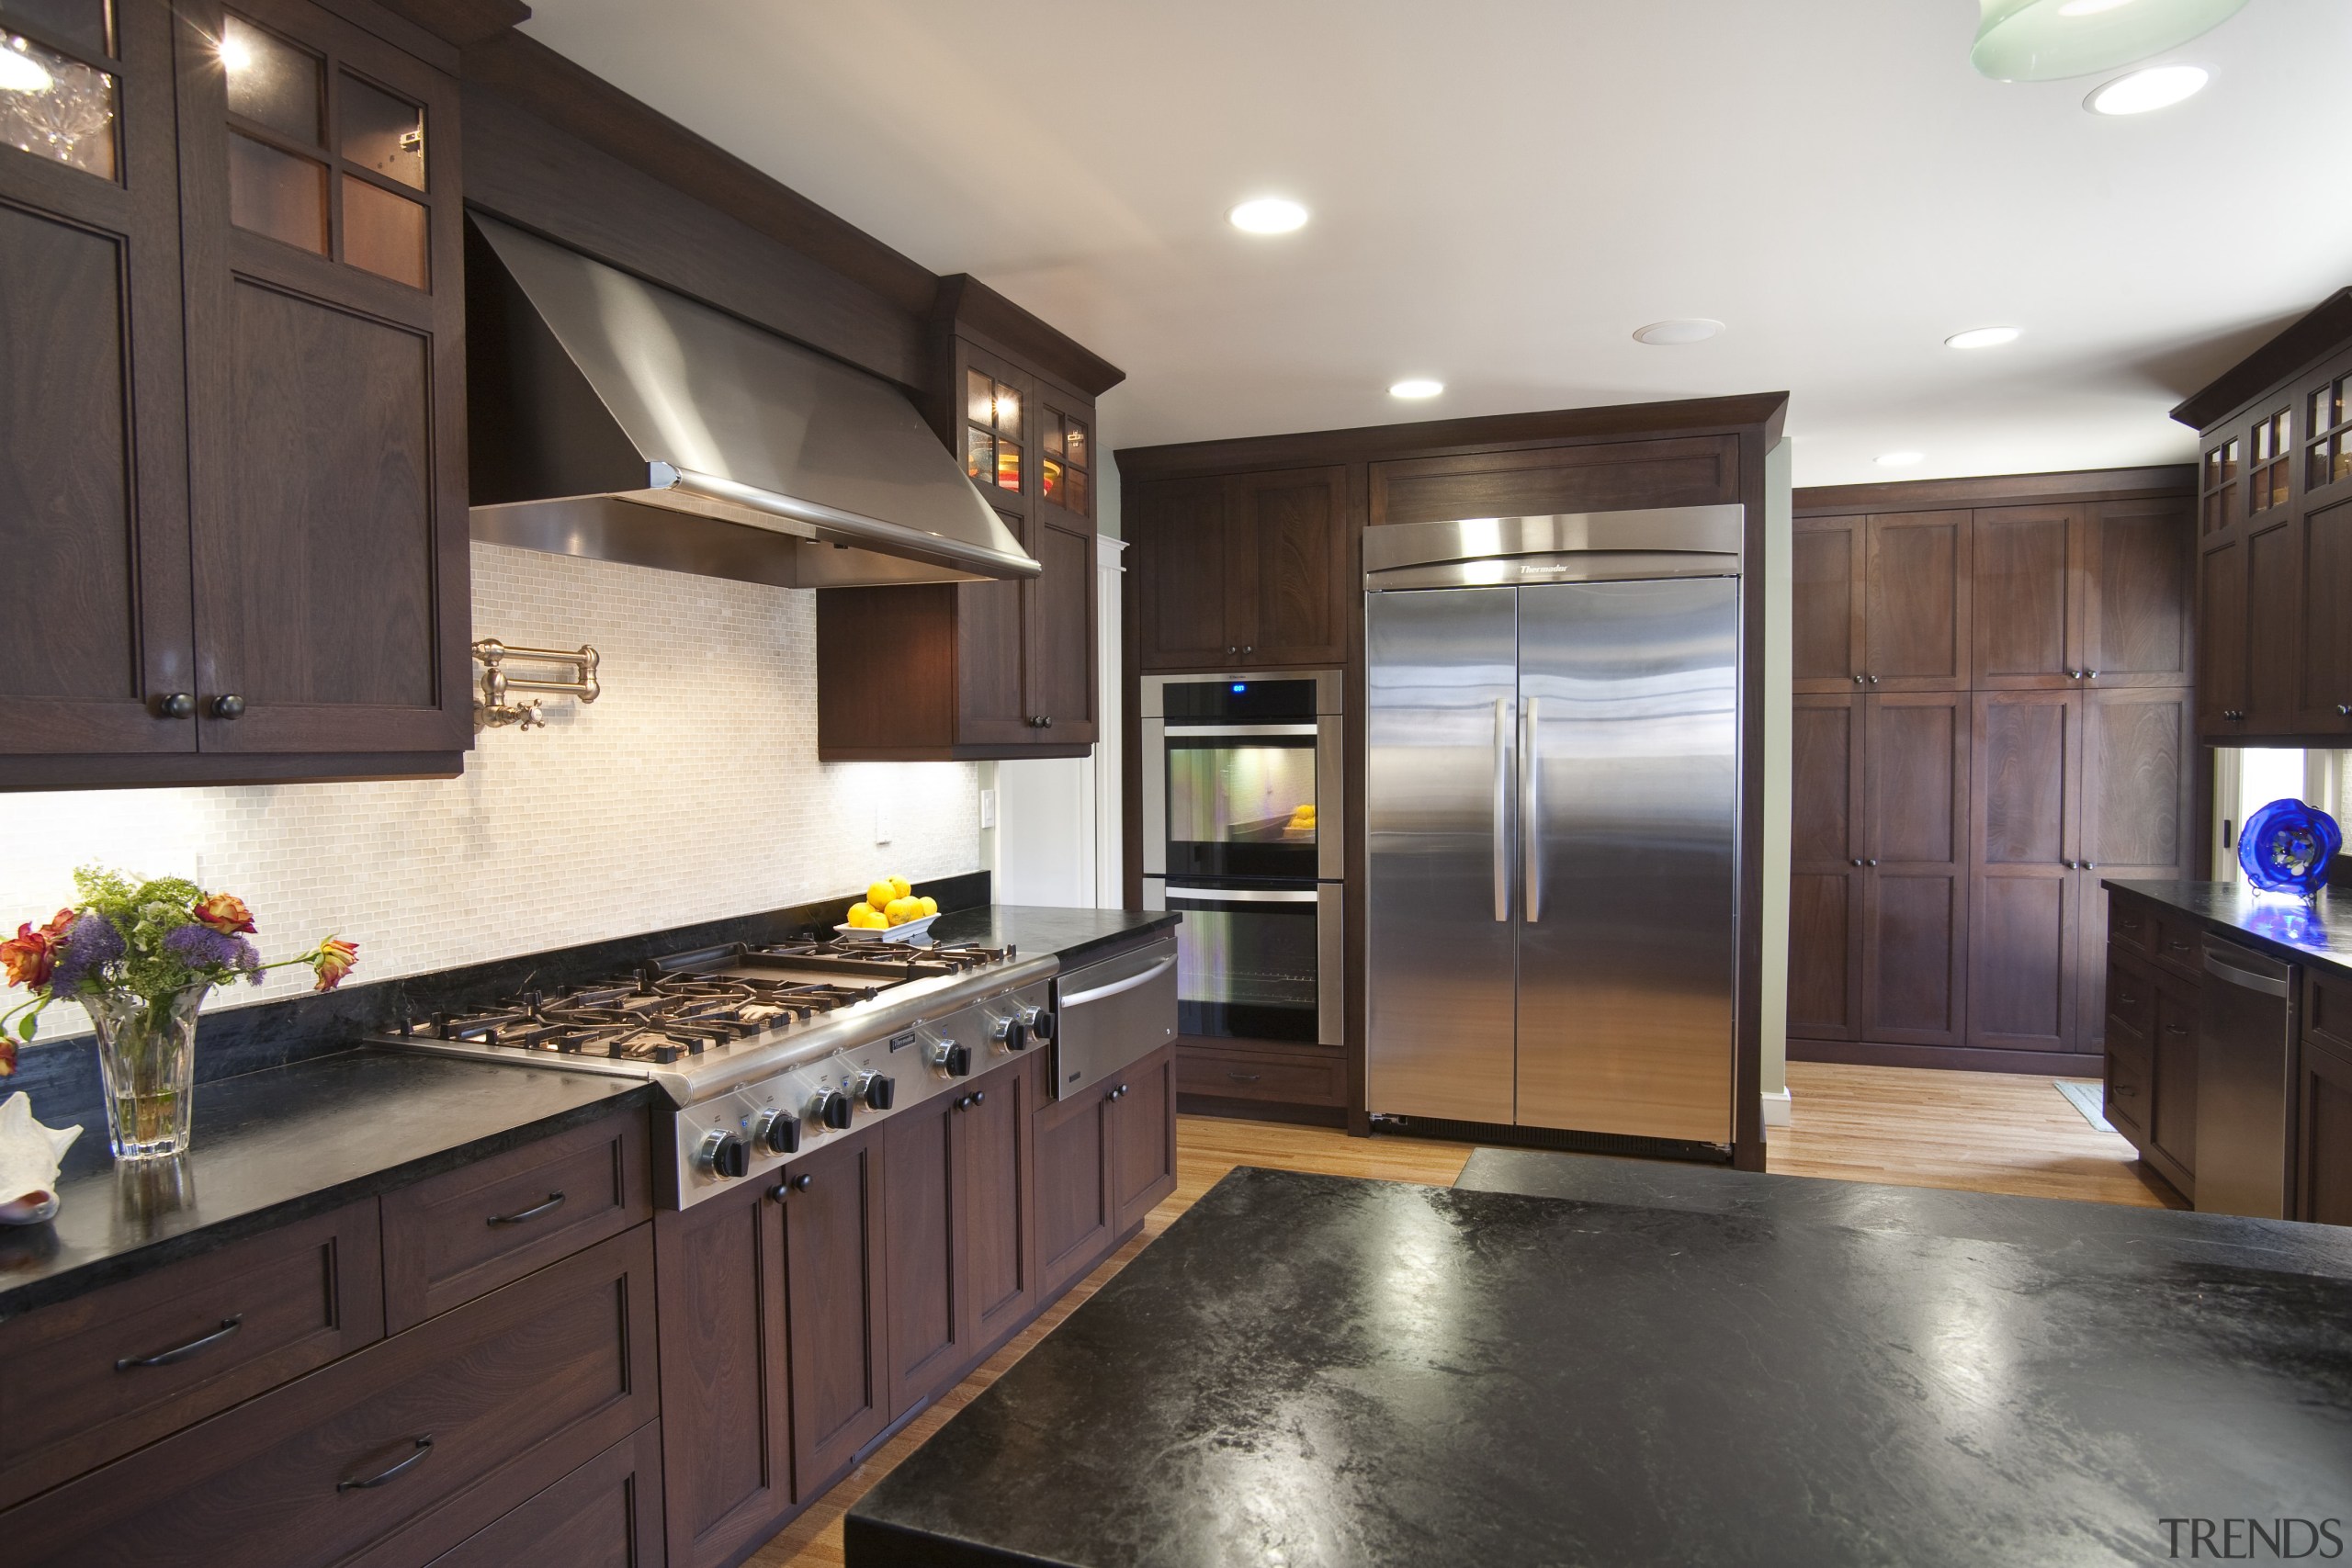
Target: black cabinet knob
x,y
176,704
979,1097
1232,648
1857,680
1871,679
1046,722
790,1184
1853,862
2344,710
881,1091
1872,862
834,1109
2090,674
1248,648
228,706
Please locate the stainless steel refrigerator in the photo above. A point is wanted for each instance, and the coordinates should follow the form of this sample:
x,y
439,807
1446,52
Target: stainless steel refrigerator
x,y
1552,800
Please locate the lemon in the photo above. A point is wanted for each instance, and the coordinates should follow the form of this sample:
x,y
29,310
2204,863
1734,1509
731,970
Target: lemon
x,y
862,916
900,887
929,907
881,892
898,911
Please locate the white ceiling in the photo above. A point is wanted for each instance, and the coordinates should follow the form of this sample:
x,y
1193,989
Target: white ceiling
x,y
1504,189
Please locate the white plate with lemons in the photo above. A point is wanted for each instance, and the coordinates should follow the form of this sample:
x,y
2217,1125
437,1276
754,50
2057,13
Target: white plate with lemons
x,y
890,912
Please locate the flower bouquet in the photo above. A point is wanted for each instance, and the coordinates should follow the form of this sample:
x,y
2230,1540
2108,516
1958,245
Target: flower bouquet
x,y
140,956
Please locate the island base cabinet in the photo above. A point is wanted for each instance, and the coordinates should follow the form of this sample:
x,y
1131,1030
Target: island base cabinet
x,y
1142,1139
606,1514
2324,1103
390,1456
1104,1158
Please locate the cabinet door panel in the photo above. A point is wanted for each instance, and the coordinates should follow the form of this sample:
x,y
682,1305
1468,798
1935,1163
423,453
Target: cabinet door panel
x,y
2324,1186
2136,594
2274,640
833,1296
992,659
1062,641
922,1225
2173,1118
606,1514
1696,470
727,1463
1829,601
1824,955
2328,618
1141,1133
1825,883
1915,949
1176,529
1000,1259
2128,1064
94,619
2220,639
1917,768
326,418
1073,1188
1915,942
1287,533
2025,754
1916,629
2026,563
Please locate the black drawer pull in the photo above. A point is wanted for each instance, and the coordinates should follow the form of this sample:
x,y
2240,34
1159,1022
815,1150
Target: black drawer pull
x,y
2126,997
2175,1029
2177,946
788,1186
423,1447
182,1352
1244,1078
555,1201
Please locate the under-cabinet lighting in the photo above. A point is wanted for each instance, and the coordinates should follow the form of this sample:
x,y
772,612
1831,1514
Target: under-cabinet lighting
x,y
1416,387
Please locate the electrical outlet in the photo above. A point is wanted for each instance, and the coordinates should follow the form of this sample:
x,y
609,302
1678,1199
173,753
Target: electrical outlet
x,y
988,808
881,822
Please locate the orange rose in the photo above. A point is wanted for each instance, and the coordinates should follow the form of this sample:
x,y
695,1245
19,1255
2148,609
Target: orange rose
x,y
224,912
333,961
30,955
8,1057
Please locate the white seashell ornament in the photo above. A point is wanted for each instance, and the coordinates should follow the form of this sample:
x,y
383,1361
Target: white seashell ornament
x,y
29,1157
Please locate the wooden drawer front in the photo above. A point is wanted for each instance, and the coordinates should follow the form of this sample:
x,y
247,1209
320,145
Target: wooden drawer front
x,y
2327,1008
1234,1074
2133,923
606,1514
2131,996
2129,1071
91,1379
452,1238
512,1390
2180,946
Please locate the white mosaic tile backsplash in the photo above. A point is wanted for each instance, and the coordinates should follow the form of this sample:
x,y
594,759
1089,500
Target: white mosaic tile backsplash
x,y
689,791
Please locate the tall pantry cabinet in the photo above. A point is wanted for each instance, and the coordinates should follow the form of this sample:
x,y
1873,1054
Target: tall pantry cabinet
x,y
1992,713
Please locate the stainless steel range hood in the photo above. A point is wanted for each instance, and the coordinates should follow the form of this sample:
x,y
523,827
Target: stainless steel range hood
x,y
613,419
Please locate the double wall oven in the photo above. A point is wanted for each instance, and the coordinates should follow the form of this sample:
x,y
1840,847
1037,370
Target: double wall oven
x,y
1242,831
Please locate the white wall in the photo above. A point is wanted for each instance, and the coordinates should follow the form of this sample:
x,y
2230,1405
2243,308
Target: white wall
x,y
689,791
1780,683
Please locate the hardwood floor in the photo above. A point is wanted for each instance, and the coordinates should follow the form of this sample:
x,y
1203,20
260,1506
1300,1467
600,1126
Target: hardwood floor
x,y
1987,1132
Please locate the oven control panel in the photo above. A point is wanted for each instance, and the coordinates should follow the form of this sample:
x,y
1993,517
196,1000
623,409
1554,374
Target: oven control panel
x,y
754,1132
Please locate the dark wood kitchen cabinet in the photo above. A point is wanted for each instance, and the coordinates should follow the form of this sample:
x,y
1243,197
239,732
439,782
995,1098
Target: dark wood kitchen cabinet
x,y
282,241
983,670
2274,531
2324,1102
2068,613
1242,570
833,1286
1104,1158
606,1514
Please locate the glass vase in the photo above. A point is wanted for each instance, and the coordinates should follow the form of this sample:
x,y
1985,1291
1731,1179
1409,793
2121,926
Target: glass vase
x,y
147,1054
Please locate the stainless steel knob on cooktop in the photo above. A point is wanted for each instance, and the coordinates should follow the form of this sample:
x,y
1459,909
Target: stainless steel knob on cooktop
x,y
1039,1022
1011,1033
723,1155
950,1060
832,1108
777,1131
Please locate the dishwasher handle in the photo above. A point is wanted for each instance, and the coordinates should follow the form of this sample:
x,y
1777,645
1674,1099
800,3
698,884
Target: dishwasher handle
x,y
1140,979
2217,965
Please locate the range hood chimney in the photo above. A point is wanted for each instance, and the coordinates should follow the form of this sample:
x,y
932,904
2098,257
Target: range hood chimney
x,y
613,419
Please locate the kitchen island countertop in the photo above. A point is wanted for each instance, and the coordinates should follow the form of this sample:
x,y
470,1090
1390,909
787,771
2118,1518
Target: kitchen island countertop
x,y
2286,928
272,1147
1311,1369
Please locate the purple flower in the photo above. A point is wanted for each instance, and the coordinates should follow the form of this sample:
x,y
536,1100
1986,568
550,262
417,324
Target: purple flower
x,y
201,947
91,943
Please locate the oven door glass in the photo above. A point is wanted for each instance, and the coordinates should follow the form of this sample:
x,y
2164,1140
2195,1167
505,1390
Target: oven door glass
x,y
1241,801
1246,963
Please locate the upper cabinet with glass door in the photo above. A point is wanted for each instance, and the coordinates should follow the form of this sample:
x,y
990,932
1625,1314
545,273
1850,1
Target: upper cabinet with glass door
x,y
996,451
1066,467
61,82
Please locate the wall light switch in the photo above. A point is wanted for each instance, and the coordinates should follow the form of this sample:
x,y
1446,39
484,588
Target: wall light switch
x,y
988,808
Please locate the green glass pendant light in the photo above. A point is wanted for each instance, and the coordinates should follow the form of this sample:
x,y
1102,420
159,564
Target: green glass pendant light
x,y
2046,40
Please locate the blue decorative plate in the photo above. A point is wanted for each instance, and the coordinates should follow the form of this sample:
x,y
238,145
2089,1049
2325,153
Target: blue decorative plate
x,y
2285,847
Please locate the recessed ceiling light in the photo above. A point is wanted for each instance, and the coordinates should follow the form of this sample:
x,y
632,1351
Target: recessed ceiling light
x,y
2089,8
1416,387
20,74
1983,337
1680,329
1267,214
1900,459
2157,87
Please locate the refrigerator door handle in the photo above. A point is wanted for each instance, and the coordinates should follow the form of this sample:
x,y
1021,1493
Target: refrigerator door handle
x,y
1502,805
1531,811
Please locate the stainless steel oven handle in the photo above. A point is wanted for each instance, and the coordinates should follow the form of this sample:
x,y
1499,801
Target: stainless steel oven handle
x,y
1115,987
1177,727
1530,812
1502,790
1243,895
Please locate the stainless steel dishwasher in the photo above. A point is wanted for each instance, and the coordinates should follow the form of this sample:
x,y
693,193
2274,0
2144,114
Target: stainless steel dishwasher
x,y
1108,1016
2245,1098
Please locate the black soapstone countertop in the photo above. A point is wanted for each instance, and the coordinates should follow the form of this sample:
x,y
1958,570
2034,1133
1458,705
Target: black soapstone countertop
x,y
2286,928
1625,1369
281,1144
1075,936
272,1147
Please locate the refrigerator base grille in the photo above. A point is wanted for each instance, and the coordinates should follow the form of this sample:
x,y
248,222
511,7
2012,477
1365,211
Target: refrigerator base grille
x,y
1551,1138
